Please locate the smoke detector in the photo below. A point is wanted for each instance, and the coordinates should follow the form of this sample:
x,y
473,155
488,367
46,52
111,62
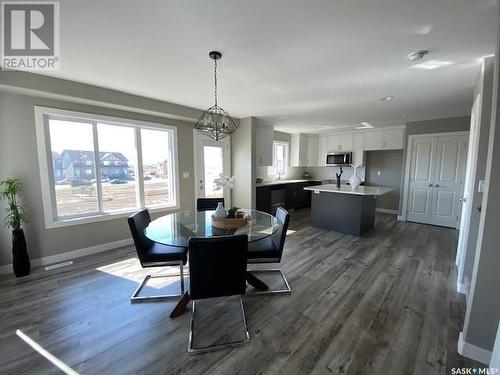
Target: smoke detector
x,y
417,55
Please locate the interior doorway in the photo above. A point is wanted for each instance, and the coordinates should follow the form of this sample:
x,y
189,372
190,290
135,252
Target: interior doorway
x,y
434,178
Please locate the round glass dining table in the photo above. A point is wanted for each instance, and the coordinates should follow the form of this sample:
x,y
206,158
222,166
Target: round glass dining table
x,y
176,228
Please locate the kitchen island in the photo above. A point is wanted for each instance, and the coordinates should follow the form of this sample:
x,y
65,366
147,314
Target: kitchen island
x,y
343,209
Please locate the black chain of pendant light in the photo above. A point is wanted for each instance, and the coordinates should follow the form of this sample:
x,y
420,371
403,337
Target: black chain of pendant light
x,y
215,122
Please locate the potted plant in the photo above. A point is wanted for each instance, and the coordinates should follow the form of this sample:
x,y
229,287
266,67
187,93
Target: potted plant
x,y
231,218
220,183
10,191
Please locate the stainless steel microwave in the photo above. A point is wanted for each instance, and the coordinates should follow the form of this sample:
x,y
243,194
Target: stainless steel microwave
x,y
339,158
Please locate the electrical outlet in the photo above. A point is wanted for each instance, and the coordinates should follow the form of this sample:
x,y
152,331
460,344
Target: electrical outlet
x,y
185,174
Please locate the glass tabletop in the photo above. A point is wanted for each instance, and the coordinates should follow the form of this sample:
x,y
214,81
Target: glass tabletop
x,y
175,229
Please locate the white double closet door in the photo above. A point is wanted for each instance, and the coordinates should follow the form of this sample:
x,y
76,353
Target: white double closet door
x,y
436,182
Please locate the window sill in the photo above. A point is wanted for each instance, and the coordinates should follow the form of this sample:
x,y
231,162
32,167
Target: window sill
x,y
104,217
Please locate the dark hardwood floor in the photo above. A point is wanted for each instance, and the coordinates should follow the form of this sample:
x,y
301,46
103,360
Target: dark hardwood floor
x,y
384,303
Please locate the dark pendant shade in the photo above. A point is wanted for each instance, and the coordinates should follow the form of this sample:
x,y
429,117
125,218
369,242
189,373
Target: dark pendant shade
x,y
215,122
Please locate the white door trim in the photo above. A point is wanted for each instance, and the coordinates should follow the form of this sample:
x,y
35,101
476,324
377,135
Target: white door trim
x,y
408,164
469,190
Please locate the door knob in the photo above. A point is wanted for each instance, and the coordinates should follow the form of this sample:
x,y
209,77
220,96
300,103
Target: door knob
x,y
430,185
437,185
463,200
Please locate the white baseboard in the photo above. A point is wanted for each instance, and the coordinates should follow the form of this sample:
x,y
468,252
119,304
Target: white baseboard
x,y
472,351
401,218
386,211
70,255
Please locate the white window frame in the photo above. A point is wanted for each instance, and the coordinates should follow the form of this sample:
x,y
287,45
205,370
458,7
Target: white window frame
x,y
46,168
286,161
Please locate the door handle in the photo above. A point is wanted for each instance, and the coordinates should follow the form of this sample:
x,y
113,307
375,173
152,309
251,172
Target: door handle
x,y
437,185
430,185
463,200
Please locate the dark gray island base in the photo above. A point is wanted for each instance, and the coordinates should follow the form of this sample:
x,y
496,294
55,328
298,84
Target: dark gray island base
x,y
344,210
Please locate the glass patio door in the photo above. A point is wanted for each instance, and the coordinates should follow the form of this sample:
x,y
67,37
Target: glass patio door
x,y
212,160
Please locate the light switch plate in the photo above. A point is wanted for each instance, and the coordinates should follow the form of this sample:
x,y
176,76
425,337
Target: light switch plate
x,y
379,173
185,174
480,186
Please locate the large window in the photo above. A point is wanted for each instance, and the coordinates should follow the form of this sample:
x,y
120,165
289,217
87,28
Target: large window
x,y
94,167
280,158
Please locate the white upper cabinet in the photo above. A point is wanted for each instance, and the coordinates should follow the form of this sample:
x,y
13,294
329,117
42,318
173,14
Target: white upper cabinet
x,y
393,139
346,142
373,140
298,150
339,142
358,149
312,150
322,150
263,145
388,139
333,143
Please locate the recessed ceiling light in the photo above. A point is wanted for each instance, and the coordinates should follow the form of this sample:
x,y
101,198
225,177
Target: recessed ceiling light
x,y
283,117
387,98
417,55
404,116
432,64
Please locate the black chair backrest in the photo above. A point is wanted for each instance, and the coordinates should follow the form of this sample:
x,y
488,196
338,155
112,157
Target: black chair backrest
x,y
208,204
279,236
217,266
137,223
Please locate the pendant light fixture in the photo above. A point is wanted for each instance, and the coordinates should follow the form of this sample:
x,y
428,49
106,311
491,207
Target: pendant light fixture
x,y
215,122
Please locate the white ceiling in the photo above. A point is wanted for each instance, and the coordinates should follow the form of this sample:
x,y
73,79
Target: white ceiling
x,y
320,63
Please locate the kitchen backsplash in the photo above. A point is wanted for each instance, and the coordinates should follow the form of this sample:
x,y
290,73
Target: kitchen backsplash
x,y
319,173
292,173
328,173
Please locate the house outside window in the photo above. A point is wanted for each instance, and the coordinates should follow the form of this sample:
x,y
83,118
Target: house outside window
x,y
280,158
89,166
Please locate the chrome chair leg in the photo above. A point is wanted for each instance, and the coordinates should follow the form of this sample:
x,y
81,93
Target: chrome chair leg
x,y
204,349
287,288
136,297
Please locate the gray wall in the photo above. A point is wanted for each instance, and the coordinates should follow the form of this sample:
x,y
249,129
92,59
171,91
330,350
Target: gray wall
x,y
483,304
442,125
390,164
243,163
19,159
483,87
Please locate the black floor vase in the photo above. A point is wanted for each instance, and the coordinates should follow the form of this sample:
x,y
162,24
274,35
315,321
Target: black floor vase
x,y
20,257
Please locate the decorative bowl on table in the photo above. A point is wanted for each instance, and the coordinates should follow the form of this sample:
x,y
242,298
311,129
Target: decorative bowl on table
x,y
230,222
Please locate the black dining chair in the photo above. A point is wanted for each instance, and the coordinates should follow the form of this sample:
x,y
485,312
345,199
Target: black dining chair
x,y
270,250
208,204
217,268
152,254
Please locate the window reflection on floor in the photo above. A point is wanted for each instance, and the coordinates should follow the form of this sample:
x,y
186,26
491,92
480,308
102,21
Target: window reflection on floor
x,y
130,269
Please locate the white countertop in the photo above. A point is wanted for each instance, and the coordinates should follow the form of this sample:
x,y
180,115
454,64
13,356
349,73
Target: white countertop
x,y
282,182
346,189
